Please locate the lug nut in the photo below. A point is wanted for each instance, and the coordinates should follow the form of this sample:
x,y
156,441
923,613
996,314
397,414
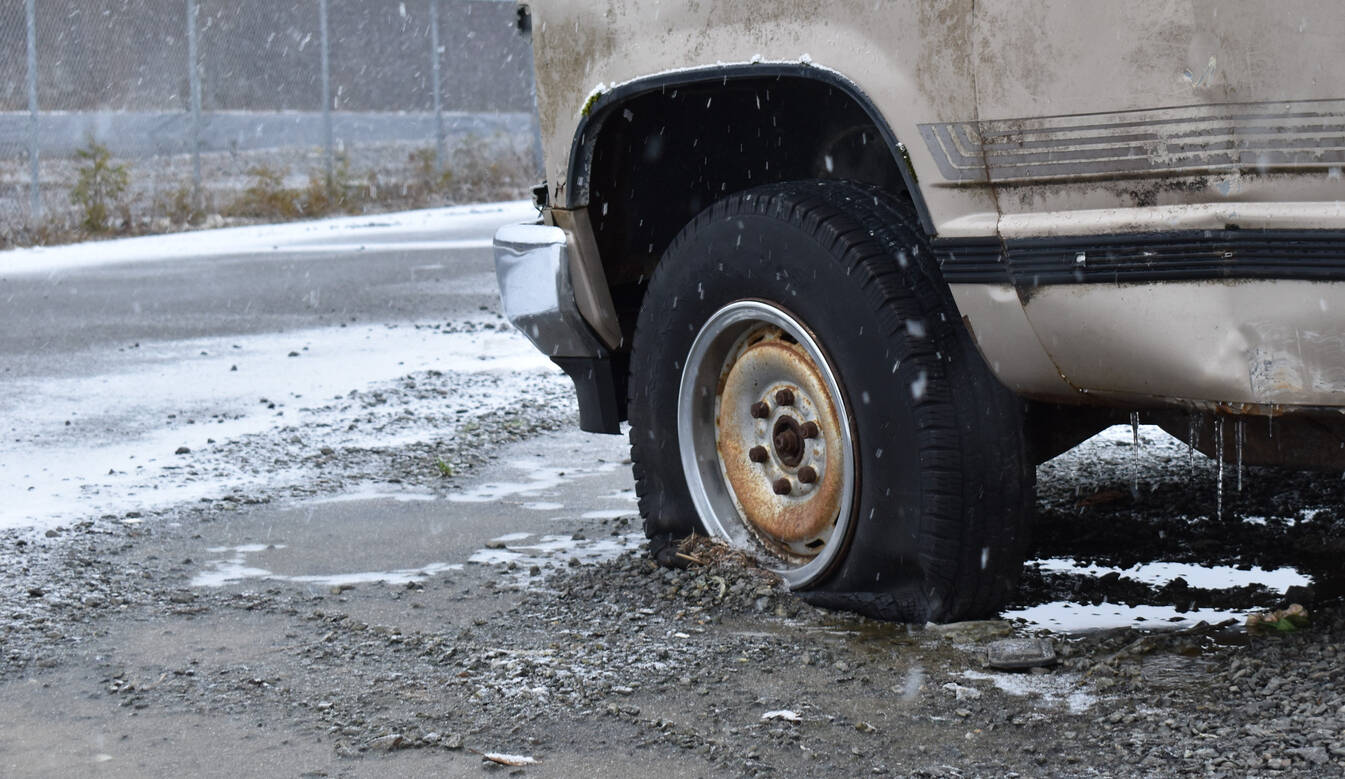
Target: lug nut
x,y
758,454
781,486
760,410
811,430
807,474
785,397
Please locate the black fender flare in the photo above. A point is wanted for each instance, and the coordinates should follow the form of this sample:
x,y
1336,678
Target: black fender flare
x,y
607,103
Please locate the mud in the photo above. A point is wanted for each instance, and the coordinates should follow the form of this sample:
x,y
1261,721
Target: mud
x,y
507,610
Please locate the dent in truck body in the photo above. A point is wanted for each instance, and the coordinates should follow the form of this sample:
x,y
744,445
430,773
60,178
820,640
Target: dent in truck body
x,y
1268,345
1205,163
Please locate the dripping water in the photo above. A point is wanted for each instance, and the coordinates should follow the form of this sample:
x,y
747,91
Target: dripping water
x,y
1219,463
1191,442
1241,438
1135,455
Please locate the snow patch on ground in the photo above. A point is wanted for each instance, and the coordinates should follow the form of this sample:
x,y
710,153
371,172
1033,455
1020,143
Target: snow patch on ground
x,y
102,444
428,229
1208,577
234,569
1067,617
1057,689
551,549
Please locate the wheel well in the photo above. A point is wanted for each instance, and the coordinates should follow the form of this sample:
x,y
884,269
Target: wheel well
x,y
662,155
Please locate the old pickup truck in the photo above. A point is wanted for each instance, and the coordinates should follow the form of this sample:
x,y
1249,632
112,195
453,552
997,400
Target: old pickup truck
x,y
851,269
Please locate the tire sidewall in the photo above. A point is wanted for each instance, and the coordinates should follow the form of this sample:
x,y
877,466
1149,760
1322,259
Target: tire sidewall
x,y
725,257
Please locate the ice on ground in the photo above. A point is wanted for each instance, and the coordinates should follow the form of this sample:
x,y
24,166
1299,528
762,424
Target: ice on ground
x,y
235,569
1057,689
1208,577
435,229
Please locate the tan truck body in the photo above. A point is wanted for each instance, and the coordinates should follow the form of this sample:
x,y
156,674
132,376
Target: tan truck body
x,y
1051,120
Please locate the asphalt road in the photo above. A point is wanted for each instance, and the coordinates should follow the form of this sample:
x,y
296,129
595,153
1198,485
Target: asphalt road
x,y
52,323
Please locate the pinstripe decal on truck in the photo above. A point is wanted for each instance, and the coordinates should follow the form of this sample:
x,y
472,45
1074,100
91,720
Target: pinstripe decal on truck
x,y
1262,137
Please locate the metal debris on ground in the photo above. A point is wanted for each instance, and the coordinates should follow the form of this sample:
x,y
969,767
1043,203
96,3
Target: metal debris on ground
x,y
1014,654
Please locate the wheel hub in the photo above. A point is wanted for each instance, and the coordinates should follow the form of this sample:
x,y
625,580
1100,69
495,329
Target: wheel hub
x,y
765,441
775,402
788,440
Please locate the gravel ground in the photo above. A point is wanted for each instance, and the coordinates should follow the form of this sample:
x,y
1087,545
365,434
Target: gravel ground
x,y
569,659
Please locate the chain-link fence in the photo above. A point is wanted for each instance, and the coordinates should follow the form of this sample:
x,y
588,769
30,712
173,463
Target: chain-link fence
x,y
167,111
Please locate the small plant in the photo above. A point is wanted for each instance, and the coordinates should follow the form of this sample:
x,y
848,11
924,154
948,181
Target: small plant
x,y
427,178
178,206
99,186
445,470
340,193
267,197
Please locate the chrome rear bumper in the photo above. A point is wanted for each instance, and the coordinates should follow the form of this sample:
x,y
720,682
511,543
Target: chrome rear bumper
x,y
532,264
533,267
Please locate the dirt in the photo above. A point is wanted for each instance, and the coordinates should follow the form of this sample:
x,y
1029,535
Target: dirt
x,y
115,659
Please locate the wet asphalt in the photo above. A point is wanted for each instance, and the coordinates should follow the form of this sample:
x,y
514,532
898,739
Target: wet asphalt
x,y
59,323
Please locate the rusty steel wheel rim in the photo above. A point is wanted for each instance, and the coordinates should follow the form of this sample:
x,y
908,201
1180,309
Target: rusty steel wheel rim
x,y
765,440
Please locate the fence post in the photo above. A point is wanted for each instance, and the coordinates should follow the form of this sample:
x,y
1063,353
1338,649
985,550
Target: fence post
x,y
327,94
438,97
194,78
525,29
35,187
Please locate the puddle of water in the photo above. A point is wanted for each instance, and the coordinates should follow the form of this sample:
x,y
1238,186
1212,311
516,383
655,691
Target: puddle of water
x,y
606,514
1056,689
1175,670
537,479
1214,577
235,569
627,495
1066,617
369,493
